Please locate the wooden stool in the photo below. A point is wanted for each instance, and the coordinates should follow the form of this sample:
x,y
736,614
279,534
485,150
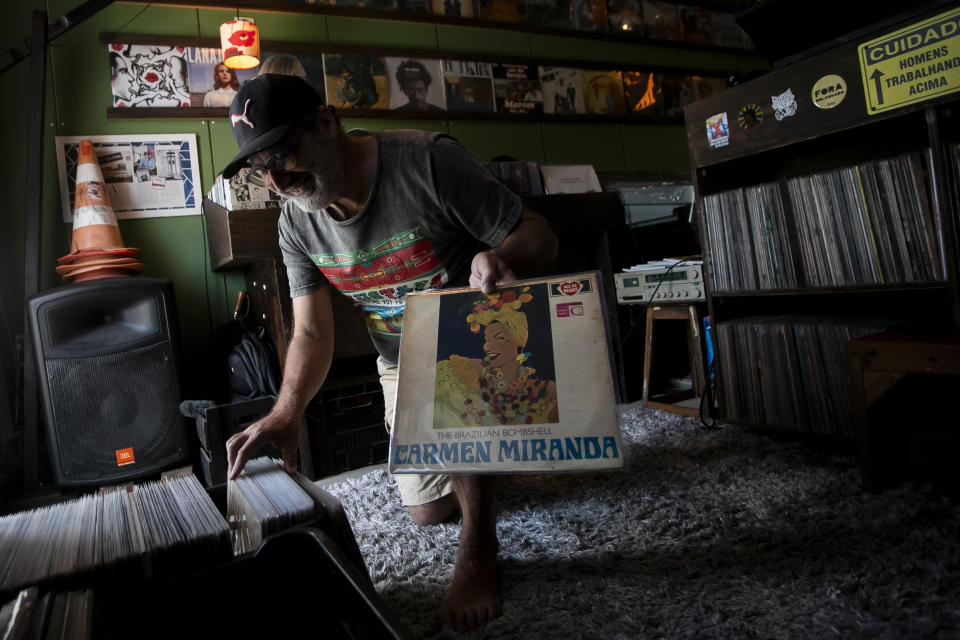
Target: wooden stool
x,y
691,315
877,364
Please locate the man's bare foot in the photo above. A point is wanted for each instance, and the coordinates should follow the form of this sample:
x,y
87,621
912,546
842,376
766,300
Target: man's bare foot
x,y
473,598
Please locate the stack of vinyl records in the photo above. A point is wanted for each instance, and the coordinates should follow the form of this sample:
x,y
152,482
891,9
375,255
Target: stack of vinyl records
x,y
97,249
870,224
748,240
790,371
66,615
133,531
264,500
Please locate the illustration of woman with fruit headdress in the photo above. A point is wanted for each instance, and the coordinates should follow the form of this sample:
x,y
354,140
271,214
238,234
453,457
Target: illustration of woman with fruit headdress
x,y
501,388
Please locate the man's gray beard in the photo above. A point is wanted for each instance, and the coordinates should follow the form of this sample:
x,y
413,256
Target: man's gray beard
x,y
315,201
327,183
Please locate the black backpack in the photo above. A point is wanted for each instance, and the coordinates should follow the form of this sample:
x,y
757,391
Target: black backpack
x,y
246,364
252,367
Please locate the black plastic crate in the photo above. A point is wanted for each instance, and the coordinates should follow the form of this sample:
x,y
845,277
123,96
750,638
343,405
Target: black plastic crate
x,y
345,421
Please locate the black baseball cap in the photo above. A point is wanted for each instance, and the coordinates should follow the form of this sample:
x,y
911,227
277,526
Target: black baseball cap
x,y
264,110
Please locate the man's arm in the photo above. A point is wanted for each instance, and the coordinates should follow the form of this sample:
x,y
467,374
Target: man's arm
x,y
308,361
525,251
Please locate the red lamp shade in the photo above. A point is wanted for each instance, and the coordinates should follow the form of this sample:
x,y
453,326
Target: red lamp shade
x,y
240,43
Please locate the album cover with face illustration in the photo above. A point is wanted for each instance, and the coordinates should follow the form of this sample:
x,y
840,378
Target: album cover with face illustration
x,y
518,380
148,76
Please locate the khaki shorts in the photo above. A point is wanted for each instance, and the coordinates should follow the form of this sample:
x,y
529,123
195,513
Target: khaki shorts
x,y
415,488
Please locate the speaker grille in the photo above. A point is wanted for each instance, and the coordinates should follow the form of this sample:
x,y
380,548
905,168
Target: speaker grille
x,y
105,403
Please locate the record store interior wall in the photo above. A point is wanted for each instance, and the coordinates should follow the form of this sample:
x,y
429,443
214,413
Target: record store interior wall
x,y
78,94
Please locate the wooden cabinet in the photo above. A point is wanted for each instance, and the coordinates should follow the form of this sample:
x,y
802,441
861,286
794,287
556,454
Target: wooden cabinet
x,y
820,223
240,238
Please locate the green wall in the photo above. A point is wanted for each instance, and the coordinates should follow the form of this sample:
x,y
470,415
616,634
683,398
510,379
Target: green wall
x,y
78,95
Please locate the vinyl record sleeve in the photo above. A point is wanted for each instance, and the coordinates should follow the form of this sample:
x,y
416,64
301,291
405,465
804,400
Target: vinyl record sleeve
x,y
519,380
356,81
469,85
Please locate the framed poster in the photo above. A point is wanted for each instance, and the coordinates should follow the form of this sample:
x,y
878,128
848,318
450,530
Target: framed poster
x,y
517,380
150,175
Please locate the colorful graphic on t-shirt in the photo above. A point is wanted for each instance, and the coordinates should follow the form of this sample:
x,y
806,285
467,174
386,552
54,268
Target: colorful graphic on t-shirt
x,y
379,277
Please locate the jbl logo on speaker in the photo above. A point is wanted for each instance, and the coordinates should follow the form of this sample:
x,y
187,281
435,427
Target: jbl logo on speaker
x,y
125,457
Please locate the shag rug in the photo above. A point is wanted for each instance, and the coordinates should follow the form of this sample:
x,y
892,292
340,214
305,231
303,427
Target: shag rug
x,y
705,534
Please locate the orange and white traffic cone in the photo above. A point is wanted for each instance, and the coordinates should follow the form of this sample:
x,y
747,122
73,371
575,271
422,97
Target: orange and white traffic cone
x,y
96,248
94,223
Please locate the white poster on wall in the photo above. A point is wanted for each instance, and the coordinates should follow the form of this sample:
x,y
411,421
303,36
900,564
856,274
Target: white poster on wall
x,y
146,176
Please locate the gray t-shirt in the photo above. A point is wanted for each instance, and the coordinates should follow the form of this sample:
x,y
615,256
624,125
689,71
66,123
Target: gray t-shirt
x,y
432,208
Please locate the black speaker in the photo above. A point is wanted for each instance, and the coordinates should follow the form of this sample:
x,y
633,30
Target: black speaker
x,y
107,355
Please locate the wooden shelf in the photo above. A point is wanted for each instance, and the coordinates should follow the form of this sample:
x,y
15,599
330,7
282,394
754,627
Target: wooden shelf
x,y
828,291
277,6
909,303
208,113
107,38
115,113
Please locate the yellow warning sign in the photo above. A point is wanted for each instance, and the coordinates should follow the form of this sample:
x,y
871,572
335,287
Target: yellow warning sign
x,y
913,64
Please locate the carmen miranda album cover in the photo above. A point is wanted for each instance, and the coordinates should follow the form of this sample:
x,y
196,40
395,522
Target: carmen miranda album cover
x,y
519,380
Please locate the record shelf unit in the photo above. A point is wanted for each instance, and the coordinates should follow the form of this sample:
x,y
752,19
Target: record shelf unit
x,y
825,215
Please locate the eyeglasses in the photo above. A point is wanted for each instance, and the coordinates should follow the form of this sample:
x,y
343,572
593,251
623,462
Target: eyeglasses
x,y
278,161
284,159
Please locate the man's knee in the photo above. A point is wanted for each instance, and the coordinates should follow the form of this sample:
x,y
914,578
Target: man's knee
x,y
440,510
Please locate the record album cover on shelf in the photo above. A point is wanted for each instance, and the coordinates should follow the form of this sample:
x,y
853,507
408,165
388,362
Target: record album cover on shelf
x,y
212,83
308,66
590,15
501,10
625,15
148,76
562,90
643,93
551,13
455,8
356,81
603,92
661,20
469,85
416,84
519,380
517,88
696,24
